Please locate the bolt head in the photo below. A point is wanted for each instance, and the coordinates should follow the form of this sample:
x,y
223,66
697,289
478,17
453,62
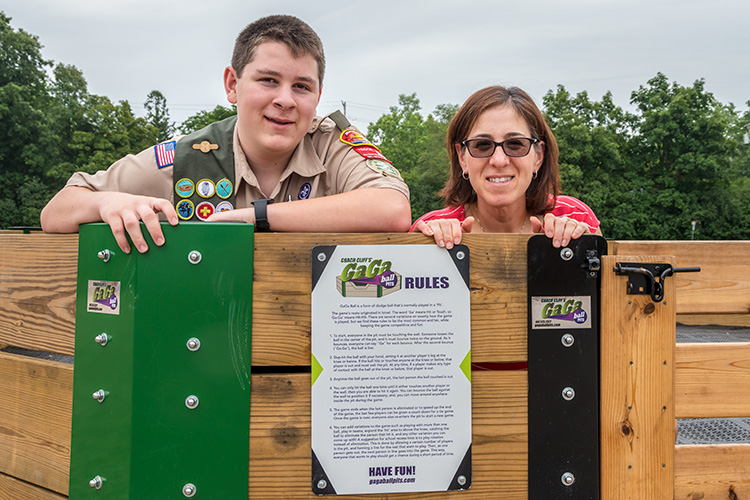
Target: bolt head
x,y
322,484
189,490
192,402
461,480
194,257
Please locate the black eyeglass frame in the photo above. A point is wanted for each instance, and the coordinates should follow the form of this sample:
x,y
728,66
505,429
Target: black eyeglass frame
x,y
532,140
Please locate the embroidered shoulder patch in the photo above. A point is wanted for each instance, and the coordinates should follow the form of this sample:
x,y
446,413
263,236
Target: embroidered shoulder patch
x,y
164,153
371,152
384,168
354,138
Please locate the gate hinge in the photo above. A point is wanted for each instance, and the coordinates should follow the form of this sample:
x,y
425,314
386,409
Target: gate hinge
x,y
648,279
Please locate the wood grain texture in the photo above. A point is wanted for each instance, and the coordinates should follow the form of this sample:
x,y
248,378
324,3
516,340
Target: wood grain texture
x,y
721,287
637,389
712,472
13,489
712,380
35,415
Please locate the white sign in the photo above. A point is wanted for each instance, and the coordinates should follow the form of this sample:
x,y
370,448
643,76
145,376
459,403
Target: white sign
x,y
391,369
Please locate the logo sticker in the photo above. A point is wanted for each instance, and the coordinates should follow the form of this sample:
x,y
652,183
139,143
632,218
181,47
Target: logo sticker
x,y
304,191
561,312
185,209
371,152
354,138
384,168
224,189
204,210
103,297
224,206
367,278
206,188
184,188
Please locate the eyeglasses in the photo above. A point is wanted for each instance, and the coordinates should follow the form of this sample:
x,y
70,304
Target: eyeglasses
x,y
484,148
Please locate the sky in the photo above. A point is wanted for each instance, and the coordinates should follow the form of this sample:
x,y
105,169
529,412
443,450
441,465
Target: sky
x,y
375,51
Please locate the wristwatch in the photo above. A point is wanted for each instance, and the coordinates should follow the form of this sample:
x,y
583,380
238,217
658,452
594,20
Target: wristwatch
x,y
261,216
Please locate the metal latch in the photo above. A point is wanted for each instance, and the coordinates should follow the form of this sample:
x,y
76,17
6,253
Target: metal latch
x,y
648,279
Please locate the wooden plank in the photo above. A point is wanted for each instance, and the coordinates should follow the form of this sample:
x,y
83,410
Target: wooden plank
x,y
712,472
722,286
712,380
13,489
38,274
637,388
35,397
714,319
37,291
36,402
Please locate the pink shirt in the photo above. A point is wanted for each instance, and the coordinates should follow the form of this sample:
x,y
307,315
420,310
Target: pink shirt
x,y
565,206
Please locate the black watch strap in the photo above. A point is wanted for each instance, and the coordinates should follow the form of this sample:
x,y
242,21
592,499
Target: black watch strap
x,y
261,215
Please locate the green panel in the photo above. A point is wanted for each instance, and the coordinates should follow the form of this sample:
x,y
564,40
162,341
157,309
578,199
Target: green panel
x,y
143,440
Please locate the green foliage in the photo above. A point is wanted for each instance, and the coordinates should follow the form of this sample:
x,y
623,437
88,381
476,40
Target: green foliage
x,y
416,146
205,118
157,115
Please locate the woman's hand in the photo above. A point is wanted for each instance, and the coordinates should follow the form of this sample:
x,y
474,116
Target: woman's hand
x,y
447,232
560,229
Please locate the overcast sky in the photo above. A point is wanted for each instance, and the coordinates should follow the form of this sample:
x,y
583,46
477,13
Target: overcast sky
x,y
442,51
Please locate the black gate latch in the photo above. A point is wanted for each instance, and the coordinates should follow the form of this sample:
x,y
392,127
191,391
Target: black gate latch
x,y
648,279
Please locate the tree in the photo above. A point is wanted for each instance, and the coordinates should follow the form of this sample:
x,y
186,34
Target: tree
x,y
157,115
204,118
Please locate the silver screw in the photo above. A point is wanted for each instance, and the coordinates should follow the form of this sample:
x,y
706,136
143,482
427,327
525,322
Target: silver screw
x,y
568,479
566,253
567,340
194,257
321,258
193,344
99,395
102,339
191,402
322,484
568,393
461,480
189,490
104,255
460,255
96,482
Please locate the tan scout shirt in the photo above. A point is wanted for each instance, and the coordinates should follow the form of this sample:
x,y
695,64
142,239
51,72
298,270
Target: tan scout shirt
x,y
321,160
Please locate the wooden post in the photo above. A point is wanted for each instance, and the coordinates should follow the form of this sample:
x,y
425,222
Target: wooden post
x,y
637,352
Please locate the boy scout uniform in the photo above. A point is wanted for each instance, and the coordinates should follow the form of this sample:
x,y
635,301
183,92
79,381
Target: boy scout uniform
x,y
196,173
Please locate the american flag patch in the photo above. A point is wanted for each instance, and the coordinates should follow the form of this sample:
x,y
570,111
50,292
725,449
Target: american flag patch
x,y
164,153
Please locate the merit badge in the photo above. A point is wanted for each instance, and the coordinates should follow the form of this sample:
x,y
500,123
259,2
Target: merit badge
x,y
205,188
184,188
164,154
205,146
224,189
204,210
185,209
371,152
383,168
304,191
354,138
224,206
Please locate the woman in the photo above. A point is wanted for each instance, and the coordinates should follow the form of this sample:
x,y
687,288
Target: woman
x,y
504,175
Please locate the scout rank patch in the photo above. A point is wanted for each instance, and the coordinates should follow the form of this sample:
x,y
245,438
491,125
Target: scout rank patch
x,y
361,145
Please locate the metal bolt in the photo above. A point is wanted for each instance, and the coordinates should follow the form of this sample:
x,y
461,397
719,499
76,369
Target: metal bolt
x,y
568,479
460,255
568,393
194,257
104,255
102,339
189,490
461,480
96,482
99,395
193,344
566,253
322,484
567,340
191,402
321,258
